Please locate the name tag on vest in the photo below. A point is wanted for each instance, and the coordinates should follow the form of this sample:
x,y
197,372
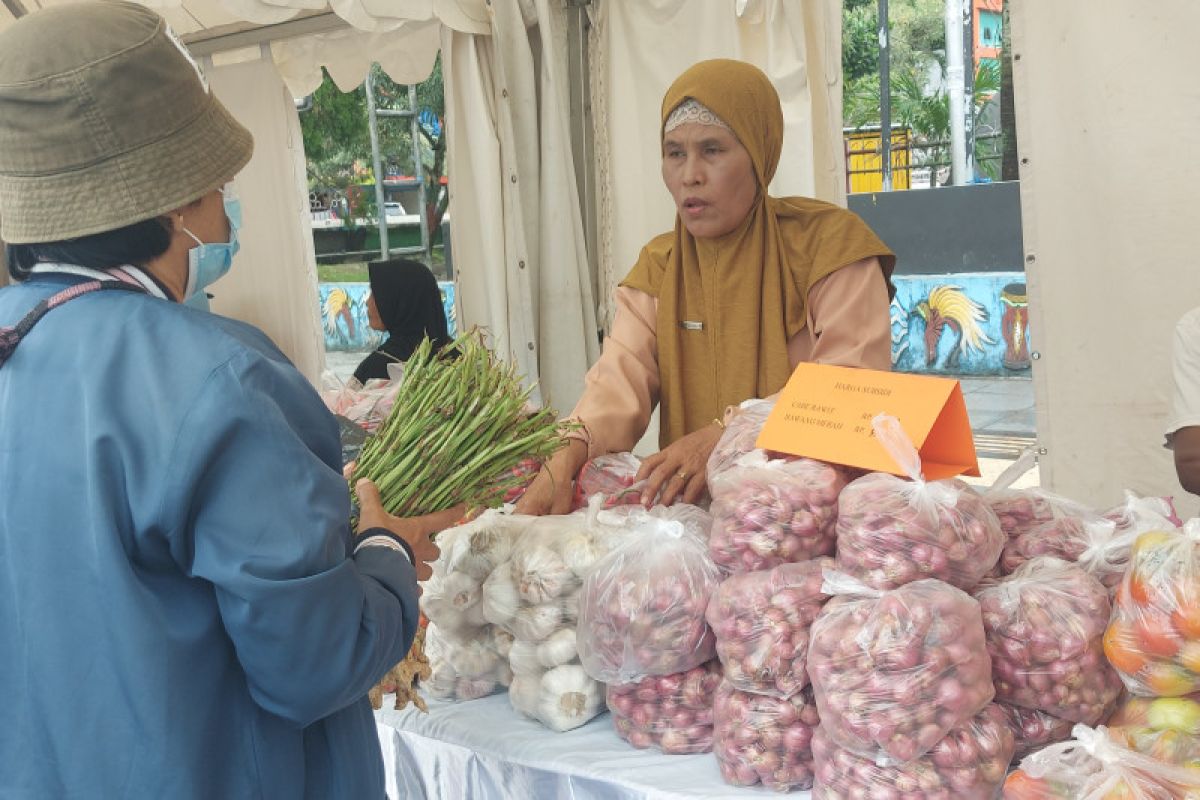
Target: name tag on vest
x,y
691,325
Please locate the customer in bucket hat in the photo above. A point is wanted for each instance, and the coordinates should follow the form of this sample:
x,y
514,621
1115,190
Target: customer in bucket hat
x,y
187,613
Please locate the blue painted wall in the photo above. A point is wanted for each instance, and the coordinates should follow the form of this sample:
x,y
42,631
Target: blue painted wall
x,y
961,324
344,315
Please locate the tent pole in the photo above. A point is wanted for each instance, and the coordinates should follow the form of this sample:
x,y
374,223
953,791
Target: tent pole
x,y
377,165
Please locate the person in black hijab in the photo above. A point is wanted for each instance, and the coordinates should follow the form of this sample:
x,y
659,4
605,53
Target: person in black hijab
x,y
405,301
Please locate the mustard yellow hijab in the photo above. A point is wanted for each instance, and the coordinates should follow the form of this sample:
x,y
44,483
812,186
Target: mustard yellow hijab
x,y
747,288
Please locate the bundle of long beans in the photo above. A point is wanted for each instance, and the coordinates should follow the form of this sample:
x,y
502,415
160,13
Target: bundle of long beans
x,y
458,427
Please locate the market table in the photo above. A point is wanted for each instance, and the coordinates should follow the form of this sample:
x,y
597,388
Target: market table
x,y
484,750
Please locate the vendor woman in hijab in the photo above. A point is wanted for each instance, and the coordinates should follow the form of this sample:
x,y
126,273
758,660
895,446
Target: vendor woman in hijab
x,y
405,301
723,307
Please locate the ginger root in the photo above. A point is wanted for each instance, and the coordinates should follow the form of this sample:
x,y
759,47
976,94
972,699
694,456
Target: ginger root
x,y
404,678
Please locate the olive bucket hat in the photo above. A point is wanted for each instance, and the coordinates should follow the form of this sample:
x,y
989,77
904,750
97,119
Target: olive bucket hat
x,y
105,121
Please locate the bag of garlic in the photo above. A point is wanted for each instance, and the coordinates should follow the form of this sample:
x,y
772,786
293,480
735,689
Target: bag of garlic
x,y
464,669
642,608
463,642
538,591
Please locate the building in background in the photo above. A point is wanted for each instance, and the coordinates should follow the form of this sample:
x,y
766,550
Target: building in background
x,y
989,30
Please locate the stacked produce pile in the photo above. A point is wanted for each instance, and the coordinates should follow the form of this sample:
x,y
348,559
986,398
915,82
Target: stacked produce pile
x,y
462,642
642,629
673,713
1154,637
1098,542
1095,765
540,588
1044,626
893,531
764,739
503,603
764,717
967,764
768,512
893,672
1165,728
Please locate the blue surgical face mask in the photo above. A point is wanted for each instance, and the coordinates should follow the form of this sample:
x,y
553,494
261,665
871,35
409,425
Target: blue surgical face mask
x,y
207,261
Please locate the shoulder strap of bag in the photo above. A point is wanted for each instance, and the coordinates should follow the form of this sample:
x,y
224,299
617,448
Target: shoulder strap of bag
x,y
11,336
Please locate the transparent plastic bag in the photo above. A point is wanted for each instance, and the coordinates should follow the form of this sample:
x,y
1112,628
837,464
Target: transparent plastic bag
x,y
741,432
767,740
367,406
1045,627
541,583
768,512
891,531
967,764
1096,766
562,698
1032,730
1153,638
762,622
610,476
894,671
673,713
642,608
463,669
1022,510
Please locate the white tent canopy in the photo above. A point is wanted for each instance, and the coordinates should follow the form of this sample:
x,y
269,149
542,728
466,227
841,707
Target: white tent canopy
x,y
524,268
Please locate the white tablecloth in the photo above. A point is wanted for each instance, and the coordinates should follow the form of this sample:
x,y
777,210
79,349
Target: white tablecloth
x,y
484,750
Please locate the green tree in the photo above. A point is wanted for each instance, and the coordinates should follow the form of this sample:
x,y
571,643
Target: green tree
x,y
917,41
337,140
926,113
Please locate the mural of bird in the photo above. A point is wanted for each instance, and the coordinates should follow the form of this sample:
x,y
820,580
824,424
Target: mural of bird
x,y
337,304
949,306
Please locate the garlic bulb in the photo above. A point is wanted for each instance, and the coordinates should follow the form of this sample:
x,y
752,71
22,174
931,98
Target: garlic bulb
x,y
579,550
524,692
570,605
485,547
558,649
536,623
522,658
442,681
473,616
474,688
463,590
502,641
474,659
504,674
540,575
500,599
568,698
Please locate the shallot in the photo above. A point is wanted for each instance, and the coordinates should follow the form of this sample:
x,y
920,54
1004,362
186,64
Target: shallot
x,y
771,512
1044,626
761,621
894,671
969,763
671,712
767,740
642,608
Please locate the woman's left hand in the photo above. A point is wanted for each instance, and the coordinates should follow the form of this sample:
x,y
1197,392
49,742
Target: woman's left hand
x,y
680,471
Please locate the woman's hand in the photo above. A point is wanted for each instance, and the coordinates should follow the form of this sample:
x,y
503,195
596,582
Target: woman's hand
x,y
551,491
680,471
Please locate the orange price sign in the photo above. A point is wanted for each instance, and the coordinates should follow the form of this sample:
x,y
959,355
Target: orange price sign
x,y
825,413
